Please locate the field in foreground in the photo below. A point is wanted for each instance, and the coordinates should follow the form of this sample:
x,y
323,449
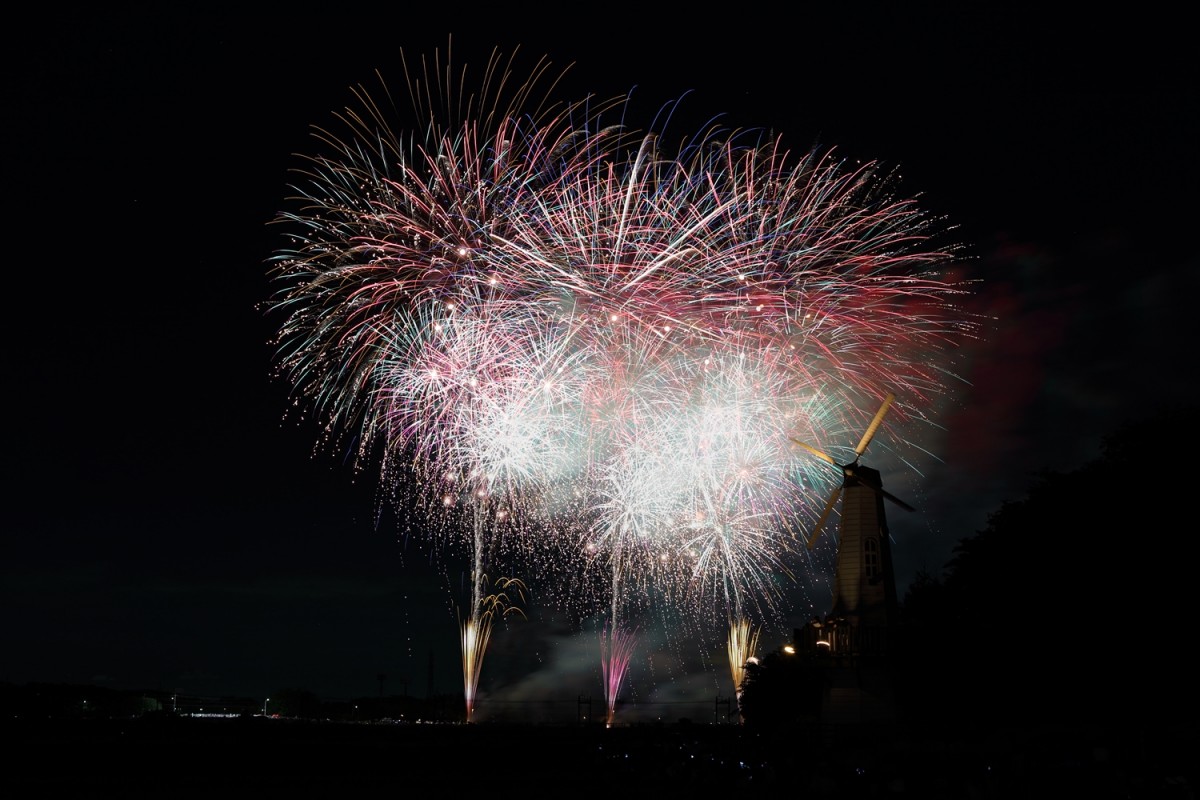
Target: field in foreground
x,y
184,758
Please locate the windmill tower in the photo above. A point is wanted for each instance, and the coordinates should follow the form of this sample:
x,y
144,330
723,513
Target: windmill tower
x,y
856,633
864,584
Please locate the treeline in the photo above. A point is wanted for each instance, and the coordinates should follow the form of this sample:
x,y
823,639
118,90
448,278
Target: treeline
x,y
74,701
1074,604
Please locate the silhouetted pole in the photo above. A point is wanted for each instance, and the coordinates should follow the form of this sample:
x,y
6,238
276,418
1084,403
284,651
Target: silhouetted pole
x,y
720,701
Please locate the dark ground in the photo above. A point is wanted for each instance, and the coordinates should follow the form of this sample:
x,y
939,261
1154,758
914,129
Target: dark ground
x,y
253,756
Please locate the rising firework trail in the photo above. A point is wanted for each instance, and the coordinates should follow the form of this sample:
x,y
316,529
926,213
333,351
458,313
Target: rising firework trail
x,y
577,348
616,650
742,643
476,629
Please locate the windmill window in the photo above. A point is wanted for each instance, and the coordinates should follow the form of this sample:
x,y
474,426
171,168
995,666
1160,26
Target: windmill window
x,y
871,558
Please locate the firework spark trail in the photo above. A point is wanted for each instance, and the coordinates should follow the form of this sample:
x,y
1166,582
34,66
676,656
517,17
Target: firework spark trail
x,y
616,651
742,643
391,226
476,630
599,348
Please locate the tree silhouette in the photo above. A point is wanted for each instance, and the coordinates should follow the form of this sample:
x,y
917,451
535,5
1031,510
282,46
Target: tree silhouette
x,y
1073,604
780,690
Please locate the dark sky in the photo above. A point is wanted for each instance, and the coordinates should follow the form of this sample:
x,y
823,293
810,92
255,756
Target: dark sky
x,y
166,528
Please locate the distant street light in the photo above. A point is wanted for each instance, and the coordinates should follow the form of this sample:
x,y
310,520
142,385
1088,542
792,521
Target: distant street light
x,y
265,706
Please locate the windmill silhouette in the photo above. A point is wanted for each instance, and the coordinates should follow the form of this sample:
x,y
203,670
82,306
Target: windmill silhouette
x,y
864,585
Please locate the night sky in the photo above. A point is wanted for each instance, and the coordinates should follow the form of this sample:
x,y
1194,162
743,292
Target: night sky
x,y
166,528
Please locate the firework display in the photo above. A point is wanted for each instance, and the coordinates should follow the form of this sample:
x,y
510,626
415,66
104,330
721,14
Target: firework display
x,y
584,354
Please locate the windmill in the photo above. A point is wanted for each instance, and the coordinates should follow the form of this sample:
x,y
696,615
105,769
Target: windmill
x,y
864,586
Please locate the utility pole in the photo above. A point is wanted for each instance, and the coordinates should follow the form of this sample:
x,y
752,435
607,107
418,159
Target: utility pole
x,y
720,701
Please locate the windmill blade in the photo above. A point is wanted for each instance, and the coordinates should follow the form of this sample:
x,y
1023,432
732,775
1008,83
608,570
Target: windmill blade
x,y
875,423
814,451
882,492
833,498
896,500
